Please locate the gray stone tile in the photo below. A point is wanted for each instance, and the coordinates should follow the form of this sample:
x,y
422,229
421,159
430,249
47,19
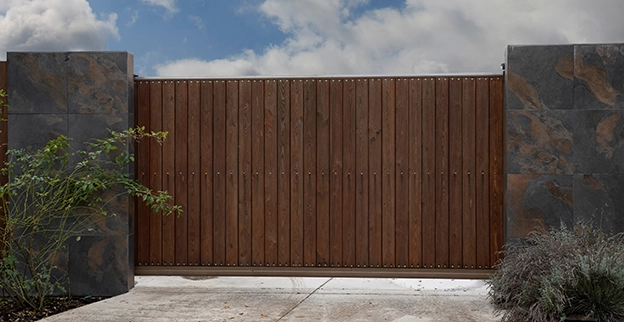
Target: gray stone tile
x,y
599,141
33,131
37,82
540,142
539,77
98,82
599,77
598,199
99,265
537,201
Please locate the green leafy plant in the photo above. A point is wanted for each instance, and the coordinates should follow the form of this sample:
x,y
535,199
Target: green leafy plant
x,y
53,195
561,273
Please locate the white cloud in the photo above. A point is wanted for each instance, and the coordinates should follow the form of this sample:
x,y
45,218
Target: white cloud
x,y
133,18
424,36
169,5
53,25
197,21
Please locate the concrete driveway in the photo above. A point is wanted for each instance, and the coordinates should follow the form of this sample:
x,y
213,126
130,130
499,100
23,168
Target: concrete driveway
x,y
159,298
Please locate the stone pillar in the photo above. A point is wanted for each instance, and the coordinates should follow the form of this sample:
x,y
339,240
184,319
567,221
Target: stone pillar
x,y
564,136
81,95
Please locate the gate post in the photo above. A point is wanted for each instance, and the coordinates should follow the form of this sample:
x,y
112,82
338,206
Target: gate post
x,y
81,95
564,136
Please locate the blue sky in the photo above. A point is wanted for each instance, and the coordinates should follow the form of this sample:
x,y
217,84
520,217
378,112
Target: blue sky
x,y
306,37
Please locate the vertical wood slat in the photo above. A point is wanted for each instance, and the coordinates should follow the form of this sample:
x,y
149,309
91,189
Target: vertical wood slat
x,y
497,182
257,173
428,172
231,172
402,195
143,166
4,140
375,164
309,173
482,175
168,118
348,174
455,172
155,171
193,173
297,174
244,174
362,177
322,174
271,167
206,172
368,172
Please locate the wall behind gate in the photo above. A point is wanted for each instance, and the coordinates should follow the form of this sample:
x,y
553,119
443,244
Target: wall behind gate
x,y
330,172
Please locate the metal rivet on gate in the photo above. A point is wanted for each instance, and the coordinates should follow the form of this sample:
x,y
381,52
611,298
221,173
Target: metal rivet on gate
x,y
167,173
482,173
270,173
309,173
442,173
256,173
468,172
193,173
180,173
218,173
322,173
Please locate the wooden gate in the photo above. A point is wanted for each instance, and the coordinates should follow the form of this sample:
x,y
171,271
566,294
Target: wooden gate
x,y
354,176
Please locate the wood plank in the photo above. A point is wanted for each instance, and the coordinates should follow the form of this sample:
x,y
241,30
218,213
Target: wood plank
x,y
231,172
296,173
207,170
442,170
309,172
322,174
402,174
193,175
169,152
362,170
388,183
181,169
348,173
335,178
219,216
283,181
496,169
429,175
455,172
270,184
375,176
469,228
155,171
415,172
244,173
257,169
143,167
4,138
482,166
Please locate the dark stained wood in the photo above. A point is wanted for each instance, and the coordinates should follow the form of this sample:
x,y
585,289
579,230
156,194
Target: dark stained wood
x,y
469,222
206,172
168,180
361,173
257,172
388,165
415,172
482,167
231,172
219,175
401,173
375,175
270,183
181,170
194,176
455,172
496,169
442,173
322,174
428,172
309,172
143,177
296,173
283,180
335,176
155,171
244,173
4,138
348,173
